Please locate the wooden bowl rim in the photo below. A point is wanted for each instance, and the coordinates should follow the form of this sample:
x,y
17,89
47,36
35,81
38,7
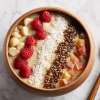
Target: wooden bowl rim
x,y
73,84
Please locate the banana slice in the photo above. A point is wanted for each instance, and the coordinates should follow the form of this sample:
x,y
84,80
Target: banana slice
x,y
20,45
16,34
13,51
22,39
24,30
14,41
27,21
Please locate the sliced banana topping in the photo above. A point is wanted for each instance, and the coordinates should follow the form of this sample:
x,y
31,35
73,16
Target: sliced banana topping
x,y
13,51
27,21
20,45
14,41
16,34
24,30
22,39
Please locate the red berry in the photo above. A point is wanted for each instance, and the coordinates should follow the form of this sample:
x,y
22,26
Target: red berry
x,y
26,53
46,16
18,63
36,24
41,35
30,41
25,71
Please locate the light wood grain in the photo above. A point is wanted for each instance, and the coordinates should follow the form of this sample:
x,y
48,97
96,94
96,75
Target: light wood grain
x,y
95,89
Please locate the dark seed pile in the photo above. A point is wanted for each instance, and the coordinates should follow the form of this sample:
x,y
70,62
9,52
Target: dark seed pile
x,y
62,52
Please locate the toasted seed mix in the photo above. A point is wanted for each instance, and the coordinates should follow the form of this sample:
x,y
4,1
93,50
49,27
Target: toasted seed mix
x,y
62,52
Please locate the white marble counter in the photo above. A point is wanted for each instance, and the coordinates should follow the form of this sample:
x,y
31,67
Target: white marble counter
x,y
10,10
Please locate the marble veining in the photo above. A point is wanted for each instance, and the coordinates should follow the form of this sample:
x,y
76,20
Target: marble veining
x,y
10,10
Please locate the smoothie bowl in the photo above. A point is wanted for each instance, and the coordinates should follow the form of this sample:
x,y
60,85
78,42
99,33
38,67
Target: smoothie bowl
x,y
49,51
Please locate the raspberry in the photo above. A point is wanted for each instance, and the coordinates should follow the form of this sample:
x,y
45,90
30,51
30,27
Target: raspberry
x,y
30,41
25,71
18,63
41,35
36,24
26,53
46,16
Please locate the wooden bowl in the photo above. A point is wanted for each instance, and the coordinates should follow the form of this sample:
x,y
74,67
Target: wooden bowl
x,y
72,85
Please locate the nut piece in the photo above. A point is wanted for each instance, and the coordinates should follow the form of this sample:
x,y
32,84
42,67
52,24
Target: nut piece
x,y
27,21
16,34
20,45
80,42
62,82
24,30
14,41
66,75
13,51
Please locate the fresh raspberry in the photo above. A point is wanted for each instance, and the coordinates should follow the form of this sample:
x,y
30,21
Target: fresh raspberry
x,y
26,52
41,35
30,41
18,63
36,24
46,16
25,71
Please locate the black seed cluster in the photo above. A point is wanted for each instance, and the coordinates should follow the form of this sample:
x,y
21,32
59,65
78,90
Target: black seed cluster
x,y
62,52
